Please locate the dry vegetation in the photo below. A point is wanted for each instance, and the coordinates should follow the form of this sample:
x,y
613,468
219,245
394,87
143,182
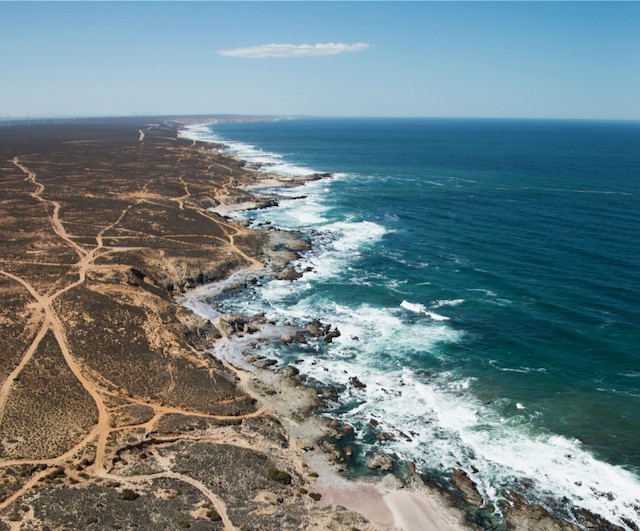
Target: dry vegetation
x,y
110,414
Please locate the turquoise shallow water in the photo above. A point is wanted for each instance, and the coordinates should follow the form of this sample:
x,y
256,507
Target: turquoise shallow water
x,y
484,276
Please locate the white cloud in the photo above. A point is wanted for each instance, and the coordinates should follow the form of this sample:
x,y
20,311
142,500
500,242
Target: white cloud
x,y
295,50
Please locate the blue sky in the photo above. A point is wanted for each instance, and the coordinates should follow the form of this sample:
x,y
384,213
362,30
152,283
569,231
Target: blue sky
x,y
472,59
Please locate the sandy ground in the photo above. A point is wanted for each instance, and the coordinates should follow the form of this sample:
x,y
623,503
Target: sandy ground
x,y
388,507
387,504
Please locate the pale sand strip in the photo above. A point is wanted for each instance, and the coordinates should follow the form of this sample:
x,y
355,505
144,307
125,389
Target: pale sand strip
x,y
417,511
388,507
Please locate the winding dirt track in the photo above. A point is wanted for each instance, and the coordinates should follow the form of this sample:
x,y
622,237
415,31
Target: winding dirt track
x,y
58,227
100,432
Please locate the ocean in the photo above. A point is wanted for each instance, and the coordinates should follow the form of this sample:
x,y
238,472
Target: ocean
x,y
485,278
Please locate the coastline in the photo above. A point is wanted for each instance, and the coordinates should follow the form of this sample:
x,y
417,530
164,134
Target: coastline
x,y
460,497
113,413
136,410
384,501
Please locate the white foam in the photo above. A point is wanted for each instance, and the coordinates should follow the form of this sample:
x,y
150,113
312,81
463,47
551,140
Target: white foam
x,y
200,132
265,161
449,426
420,308
447,302
487,292
436,316
494,363
413,307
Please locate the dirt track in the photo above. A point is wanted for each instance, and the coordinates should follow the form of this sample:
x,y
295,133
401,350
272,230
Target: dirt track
x,y
100,229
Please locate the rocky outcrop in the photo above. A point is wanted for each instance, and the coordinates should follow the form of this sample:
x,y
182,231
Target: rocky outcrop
x,y
467,487
380,461
331,335
593,521
235,323
289,274
518,514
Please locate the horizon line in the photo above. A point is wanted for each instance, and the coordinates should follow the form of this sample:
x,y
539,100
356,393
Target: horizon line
x,y
75,117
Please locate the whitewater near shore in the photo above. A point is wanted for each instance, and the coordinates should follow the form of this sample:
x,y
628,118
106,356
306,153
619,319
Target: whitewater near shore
x,y
114,412
454,427
131,392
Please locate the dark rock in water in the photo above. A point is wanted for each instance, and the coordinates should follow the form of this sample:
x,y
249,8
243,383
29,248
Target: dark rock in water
x,y
297,337
474,469
332,335
314,328
329,393
380,461
357,383
467,487
263,364
518,514
232,323
595,521
290,371
236,324
385,436
373,423
289,274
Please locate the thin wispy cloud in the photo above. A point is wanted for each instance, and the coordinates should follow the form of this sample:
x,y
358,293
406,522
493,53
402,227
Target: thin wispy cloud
x,y
295,50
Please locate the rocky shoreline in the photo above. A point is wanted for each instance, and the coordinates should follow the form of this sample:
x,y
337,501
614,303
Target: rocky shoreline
x,y
113,414
127,401
460,494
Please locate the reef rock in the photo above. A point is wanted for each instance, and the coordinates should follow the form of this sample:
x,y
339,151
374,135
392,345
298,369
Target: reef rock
x,y
467,487
380,461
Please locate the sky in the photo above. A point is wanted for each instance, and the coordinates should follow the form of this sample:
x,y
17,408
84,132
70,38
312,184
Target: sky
x,y
578,60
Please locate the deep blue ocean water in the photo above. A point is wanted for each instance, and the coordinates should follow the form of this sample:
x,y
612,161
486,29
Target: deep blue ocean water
x,y
484,275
